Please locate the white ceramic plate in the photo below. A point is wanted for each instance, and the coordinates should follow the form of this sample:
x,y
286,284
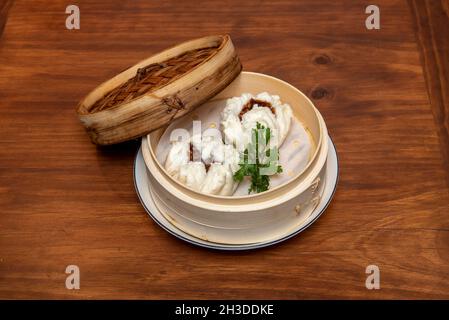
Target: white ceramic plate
x,y
142,189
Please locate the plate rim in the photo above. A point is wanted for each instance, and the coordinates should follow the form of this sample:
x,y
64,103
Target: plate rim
x,y
243,247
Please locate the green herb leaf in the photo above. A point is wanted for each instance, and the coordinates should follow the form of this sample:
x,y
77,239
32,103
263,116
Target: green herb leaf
x,y
259,183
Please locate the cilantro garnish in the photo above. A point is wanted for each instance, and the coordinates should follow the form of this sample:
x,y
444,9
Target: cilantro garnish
x,y
257,165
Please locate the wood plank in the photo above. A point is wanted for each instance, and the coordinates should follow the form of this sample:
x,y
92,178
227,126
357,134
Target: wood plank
x,y
64,201
4,9
431,22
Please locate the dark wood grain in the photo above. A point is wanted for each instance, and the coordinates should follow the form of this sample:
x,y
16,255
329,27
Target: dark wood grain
x,y
64,201
4,8
431,21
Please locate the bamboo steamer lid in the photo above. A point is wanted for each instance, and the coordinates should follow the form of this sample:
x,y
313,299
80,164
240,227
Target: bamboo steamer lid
x,y
157,90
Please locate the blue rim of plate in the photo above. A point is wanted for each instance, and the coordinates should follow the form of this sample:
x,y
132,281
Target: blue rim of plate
x,y
217,246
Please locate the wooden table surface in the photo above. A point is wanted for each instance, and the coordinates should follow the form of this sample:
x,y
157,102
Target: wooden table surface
x,y
383,94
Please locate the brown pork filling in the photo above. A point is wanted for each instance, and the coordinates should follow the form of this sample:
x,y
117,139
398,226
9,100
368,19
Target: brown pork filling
x,y
191,158
250,104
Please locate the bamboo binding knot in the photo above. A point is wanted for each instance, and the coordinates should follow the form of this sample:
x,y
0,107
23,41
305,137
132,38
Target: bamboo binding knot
x,y
315,184
173,102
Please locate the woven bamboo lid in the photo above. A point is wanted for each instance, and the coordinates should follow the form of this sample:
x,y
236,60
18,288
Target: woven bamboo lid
x,y
159,89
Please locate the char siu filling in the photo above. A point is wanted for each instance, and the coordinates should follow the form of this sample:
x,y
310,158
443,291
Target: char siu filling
x,y
251,103
207,166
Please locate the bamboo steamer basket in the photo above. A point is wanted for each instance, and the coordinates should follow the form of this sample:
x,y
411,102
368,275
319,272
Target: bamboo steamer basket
x,y
158,90
253,218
